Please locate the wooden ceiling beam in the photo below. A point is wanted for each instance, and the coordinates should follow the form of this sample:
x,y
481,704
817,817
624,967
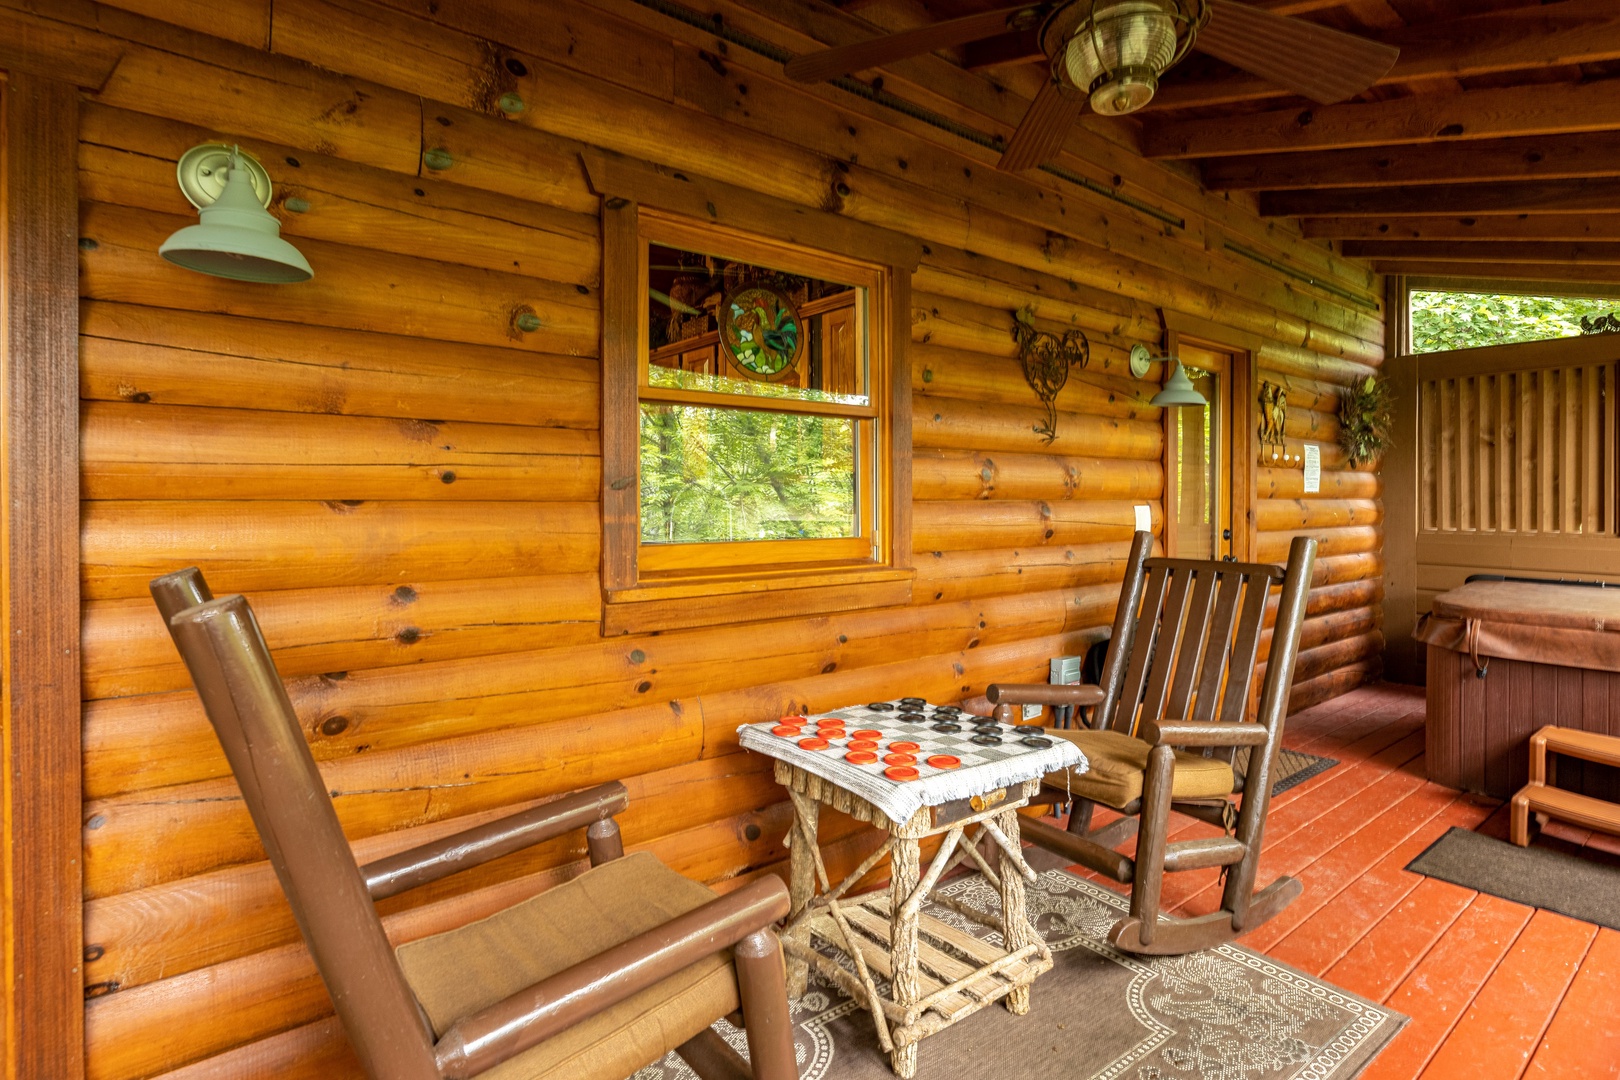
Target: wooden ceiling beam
x,y
1472,229
1535,157
1549,197
1594,275
1507,252
1504,112
1526,38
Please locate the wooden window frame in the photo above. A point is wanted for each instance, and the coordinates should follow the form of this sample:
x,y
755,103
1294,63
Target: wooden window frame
x,y
641,202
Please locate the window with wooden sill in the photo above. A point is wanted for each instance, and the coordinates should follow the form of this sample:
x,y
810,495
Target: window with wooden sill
x,y
756,405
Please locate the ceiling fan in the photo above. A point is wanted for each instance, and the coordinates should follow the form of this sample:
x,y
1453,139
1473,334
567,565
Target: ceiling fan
x,y
1112,52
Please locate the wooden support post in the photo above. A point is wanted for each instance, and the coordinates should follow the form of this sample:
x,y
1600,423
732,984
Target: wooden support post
x,y
39,578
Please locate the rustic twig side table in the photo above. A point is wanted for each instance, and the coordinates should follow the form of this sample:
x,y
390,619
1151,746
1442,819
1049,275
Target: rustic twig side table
x,y
937,973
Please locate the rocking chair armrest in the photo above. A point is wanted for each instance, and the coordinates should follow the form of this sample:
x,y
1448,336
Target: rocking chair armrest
x,y
464,850
1043,694
536,1013
1202,733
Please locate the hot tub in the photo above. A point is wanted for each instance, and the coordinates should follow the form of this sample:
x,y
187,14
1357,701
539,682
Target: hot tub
x,y
1507,657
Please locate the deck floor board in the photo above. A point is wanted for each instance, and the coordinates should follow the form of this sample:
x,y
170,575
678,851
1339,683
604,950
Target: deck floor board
x,y
1496,990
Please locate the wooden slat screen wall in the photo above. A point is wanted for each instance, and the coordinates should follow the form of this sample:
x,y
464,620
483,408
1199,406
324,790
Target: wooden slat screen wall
x,y
1530,451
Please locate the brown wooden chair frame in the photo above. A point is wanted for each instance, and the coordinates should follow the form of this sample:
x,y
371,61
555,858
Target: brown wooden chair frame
x,y
1208,616
333,899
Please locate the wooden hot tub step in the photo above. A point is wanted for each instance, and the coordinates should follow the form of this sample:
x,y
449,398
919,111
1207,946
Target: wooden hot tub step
x,y
1539,796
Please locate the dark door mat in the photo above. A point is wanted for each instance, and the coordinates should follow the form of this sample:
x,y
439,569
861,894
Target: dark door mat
x,y
1580,887
1290,767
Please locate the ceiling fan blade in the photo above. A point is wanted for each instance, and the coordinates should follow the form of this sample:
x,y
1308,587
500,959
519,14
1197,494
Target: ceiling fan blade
x,y
875,52
1321,63
1041,132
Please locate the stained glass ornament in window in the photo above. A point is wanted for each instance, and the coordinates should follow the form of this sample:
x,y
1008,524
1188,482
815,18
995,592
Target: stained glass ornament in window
x,y
761,332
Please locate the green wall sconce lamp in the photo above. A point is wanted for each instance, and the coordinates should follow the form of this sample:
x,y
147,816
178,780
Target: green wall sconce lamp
x,y
236,236
1178,390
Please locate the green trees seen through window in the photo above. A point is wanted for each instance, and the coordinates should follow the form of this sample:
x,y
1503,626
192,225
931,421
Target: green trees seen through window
x,y
1444,320
745,474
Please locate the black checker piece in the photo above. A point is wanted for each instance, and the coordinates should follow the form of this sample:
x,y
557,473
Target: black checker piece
x,y
881,706
1037,741
987,740
947,729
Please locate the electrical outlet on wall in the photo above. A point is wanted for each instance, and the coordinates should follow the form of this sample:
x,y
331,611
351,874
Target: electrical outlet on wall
x,y
1033,712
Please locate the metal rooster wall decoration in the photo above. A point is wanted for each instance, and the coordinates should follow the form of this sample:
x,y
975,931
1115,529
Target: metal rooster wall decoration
x,y
1047,358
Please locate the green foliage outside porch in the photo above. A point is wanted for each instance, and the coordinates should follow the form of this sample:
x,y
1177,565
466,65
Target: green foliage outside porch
x,y
1449,320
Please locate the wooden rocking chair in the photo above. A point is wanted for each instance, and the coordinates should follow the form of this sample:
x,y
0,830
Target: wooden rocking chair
x,y
590,980
1167,718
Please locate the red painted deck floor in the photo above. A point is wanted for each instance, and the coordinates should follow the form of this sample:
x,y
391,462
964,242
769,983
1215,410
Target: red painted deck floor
x,y
1495,990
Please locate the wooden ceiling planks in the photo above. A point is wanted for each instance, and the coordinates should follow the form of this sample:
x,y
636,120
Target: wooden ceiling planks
x,y
1500,123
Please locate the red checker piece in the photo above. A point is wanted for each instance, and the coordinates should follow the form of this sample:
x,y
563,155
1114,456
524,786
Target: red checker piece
x,y
787,731
899,759
862,744
900,772
944,761
860,757
795,719
825,724
867,733
904,747
813,744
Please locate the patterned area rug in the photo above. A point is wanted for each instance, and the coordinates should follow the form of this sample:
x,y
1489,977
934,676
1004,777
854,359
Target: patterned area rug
x,y
1225,1014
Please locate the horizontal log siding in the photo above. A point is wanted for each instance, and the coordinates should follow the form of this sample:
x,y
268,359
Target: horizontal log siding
x,y
404,482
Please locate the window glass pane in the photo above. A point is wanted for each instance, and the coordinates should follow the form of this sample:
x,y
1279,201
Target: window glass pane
x,y
732,327
743,474
1196,461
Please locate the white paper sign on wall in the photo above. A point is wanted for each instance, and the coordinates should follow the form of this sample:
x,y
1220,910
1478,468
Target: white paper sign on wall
x,y
1313,468
1144,517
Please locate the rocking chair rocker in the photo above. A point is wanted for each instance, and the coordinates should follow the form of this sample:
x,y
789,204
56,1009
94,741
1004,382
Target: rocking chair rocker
x,y
1166,720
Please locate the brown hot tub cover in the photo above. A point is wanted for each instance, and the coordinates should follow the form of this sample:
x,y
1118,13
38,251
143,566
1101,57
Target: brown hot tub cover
x,y
1563,625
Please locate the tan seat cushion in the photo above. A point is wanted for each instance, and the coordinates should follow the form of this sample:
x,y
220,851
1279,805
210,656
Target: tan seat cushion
x,y
1118,766
464,970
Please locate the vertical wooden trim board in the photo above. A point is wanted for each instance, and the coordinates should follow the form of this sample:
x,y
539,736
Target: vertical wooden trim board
x,y
39,578
622,317
1403,657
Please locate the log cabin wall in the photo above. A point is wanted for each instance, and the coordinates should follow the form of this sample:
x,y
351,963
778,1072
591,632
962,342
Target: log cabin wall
x,y
405,484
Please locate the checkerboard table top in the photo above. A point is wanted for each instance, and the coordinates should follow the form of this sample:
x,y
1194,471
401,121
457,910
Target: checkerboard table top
x,y
907,754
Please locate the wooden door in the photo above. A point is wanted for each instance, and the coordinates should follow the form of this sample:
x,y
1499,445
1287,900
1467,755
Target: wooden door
x,y
1198,506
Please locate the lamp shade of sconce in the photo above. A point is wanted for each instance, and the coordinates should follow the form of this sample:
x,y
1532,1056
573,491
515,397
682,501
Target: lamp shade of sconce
x,y
1178,389
236,237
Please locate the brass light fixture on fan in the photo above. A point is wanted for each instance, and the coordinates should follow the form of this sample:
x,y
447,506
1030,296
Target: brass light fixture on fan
x,y
1112,53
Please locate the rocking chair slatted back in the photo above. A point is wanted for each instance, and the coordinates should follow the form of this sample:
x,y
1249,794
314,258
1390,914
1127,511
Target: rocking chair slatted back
x,y
260,734
1185,641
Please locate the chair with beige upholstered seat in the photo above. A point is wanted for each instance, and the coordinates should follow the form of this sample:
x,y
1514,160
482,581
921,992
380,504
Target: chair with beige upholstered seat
x,y
590,980
1171,710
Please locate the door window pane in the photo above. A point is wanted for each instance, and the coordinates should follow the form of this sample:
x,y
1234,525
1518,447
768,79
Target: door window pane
x,y
1195,440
